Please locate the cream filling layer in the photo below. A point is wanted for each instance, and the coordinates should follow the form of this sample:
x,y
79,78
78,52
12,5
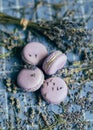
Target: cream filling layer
x,y
52,60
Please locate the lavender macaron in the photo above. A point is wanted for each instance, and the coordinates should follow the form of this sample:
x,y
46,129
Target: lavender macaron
x,y
30,80
33,53
54,90
54,62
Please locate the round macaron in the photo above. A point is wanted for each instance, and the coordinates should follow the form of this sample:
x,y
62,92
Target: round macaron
x,y
54,90
30,80
54,62
33,53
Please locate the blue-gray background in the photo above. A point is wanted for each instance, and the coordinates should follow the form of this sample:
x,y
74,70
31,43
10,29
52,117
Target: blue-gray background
x,y
25,8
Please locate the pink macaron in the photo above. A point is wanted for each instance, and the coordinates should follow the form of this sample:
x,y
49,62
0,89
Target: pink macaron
x,y
54,90
34,53
30,79
54,62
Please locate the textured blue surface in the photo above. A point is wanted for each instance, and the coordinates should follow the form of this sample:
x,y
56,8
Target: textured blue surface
x,y
84,9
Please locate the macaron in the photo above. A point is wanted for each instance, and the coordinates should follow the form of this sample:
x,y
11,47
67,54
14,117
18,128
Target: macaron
x,y
34,53
54,90
30,79
54,62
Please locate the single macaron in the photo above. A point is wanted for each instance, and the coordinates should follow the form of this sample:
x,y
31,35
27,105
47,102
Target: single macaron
x,y
54,90
30,80
34,52
54,62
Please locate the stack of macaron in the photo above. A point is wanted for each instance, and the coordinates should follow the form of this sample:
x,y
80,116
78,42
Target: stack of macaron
x,y
53,90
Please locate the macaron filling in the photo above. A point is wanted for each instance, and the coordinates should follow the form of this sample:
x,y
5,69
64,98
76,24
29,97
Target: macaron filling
x,y
55,65
54,62
50,60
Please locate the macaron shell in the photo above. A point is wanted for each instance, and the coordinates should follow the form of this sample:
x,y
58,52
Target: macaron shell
x,y
49,57
54,90
55,53
30,80
57,64
33,53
